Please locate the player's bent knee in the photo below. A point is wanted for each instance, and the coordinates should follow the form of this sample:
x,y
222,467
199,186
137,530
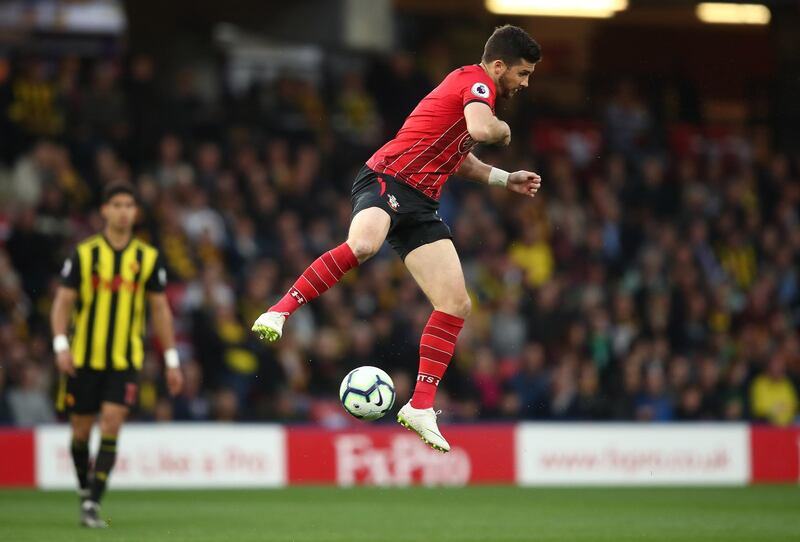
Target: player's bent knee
x,y
465,307
460,308
111,422
363,250
110,427
81,427
81,433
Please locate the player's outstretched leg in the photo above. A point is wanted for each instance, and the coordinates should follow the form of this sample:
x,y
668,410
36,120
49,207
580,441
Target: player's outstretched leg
x,y
435,352
318,277
367,232
437,270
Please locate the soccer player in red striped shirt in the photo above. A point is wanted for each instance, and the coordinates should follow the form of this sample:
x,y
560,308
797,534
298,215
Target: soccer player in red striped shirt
x,y
396,198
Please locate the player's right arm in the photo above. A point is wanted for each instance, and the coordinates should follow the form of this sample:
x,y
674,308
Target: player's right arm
x,y
60,315
484,127
61,312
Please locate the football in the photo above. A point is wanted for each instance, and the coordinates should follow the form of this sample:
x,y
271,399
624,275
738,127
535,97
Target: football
x,y
367,393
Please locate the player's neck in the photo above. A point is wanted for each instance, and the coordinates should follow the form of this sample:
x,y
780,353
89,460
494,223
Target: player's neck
x,y
489,73
118,239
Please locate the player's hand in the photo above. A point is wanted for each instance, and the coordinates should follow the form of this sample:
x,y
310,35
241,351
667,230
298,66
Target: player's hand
x,y
174,381
64,363
526,183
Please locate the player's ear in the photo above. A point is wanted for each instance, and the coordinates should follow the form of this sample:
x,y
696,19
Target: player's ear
x,y
499,67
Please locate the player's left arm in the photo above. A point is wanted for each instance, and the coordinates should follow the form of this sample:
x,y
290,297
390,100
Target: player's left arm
x,y
161,316
522,182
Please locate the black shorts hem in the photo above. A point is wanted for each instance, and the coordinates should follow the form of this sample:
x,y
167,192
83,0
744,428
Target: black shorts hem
x,y
414,217
85,392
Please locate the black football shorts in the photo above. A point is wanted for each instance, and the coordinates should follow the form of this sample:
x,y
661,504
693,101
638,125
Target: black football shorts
x,y
415,219
89,388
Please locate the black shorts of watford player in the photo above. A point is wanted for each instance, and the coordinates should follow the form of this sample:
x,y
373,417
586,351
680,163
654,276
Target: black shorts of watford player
x,y
98,324
396,197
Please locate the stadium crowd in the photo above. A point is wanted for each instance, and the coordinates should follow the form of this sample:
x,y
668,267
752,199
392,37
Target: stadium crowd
x,y
654,277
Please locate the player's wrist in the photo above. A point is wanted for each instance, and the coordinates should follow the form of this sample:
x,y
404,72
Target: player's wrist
x,y
498,177
60,344
171,358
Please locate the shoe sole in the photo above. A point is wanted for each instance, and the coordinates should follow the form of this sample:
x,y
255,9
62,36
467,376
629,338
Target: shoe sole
x,y
267,334
402,421
90,525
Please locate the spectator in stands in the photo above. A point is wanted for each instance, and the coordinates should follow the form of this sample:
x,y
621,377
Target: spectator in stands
x,y
6,417
627,120
193,404
653,404
773,396
29,402
104,108
531,384
591,402
31,171
35,108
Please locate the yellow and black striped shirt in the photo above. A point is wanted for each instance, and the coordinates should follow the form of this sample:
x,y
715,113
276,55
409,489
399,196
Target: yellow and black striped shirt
x,y
109,320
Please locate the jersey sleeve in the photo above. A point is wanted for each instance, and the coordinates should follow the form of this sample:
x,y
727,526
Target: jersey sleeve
x,y
157,281
476,89
71,272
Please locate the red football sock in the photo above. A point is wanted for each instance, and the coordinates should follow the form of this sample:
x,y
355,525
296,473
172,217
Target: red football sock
x,y
435,352
317,278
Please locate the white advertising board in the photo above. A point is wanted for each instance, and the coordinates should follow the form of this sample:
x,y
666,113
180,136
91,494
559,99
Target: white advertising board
x,y
631,454
174,456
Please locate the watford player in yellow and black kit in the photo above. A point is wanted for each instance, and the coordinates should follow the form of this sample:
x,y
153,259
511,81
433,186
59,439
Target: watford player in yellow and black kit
x,y
98,322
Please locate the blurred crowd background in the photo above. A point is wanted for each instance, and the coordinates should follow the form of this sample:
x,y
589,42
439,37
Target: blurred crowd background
x,y
654,277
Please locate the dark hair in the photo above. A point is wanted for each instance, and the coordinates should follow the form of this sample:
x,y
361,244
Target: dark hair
x,y
510,44
118,187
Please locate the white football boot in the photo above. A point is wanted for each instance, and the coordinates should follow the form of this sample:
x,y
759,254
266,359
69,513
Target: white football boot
x,y
423,422
90,515
269,326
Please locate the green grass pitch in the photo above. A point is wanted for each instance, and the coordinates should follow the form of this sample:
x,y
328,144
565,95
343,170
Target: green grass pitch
x,y
475,514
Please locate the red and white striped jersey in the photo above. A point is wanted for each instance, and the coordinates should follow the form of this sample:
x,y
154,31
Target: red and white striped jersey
x,y
434,141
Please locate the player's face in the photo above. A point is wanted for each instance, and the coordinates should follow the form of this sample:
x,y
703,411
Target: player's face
x,y
120,212
515,78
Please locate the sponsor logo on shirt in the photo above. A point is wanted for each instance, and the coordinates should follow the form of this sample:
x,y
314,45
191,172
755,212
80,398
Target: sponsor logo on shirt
x,y
116,284
466,143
